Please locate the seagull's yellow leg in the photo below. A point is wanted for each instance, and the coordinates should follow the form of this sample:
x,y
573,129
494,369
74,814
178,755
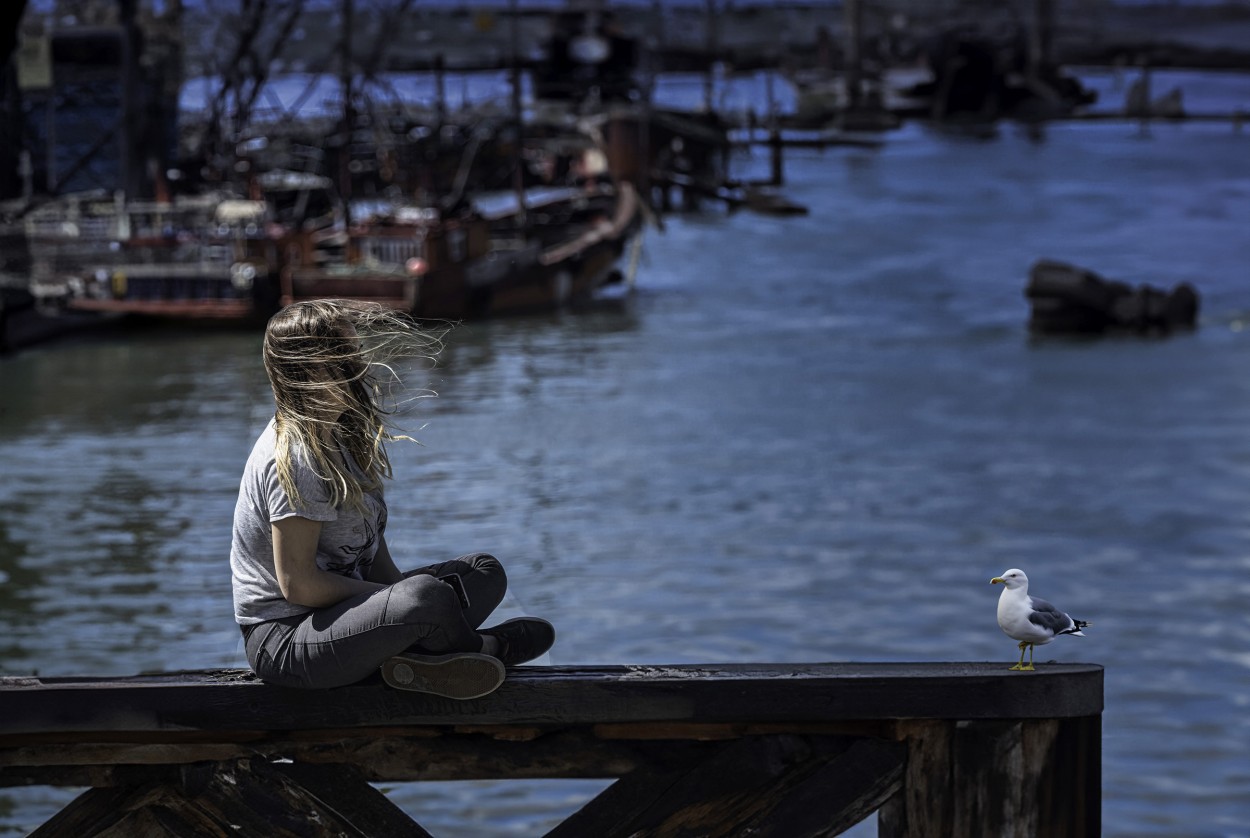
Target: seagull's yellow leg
x,y
1020,665
1028,668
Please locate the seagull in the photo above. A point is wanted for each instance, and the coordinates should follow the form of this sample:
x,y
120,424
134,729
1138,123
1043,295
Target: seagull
x,y
1032,621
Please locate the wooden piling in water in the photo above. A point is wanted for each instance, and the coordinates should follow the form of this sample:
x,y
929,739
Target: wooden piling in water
x,y
771,749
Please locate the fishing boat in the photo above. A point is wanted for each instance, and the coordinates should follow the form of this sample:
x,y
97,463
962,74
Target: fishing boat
x,y
204,256
229,258
556,251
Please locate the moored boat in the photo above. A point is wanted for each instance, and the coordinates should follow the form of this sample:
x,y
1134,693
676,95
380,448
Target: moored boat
x,y
476,264
227,258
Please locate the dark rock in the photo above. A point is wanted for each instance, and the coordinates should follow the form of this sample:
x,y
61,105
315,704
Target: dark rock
x,y
1066,299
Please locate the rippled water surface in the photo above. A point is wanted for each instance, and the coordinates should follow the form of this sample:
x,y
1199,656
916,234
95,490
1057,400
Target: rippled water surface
x,y
800,439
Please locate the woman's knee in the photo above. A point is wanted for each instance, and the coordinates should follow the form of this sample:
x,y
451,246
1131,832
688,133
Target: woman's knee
x,y
421,598
486,575
486,564
486,582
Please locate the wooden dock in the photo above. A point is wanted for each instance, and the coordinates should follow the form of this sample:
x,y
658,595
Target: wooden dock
x,y
785,750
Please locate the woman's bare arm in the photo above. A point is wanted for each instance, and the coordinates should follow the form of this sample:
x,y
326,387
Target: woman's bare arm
x,y
295,560
384,569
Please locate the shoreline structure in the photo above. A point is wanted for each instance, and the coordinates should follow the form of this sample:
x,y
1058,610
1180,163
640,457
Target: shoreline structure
x,y
745,36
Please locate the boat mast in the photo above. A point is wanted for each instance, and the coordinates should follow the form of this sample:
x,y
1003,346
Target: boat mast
x,y
518,117
712,46
349,113
1041,38
131,124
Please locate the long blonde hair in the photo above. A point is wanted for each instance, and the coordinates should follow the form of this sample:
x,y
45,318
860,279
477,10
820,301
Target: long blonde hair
x,y
329,364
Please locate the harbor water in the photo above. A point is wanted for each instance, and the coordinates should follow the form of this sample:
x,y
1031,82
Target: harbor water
x,y
808,438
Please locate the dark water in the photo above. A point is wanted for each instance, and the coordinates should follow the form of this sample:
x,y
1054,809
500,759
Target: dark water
x,y
801,439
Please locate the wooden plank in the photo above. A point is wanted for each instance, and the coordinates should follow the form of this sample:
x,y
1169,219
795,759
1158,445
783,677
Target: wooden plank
x,y
872,728
757,693
222,744
93,776
571,754
123,753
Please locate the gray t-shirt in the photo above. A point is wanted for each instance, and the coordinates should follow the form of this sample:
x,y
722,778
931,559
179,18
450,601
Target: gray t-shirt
x,y
348,542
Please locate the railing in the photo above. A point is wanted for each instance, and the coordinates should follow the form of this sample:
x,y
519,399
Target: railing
x,y
391,250
763,749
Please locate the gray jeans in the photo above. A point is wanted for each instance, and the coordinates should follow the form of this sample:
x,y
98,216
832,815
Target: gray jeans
x,y
342,644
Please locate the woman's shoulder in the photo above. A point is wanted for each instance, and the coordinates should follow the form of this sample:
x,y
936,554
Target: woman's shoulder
x,y
265,451
265,445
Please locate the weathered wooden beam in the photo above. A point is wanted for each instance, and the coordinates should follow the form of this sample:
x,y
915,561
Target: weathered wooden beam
x,y
872,728
842,793
559,753
759,693
725,794
605,814
237,798
152,742
343,790
574,753
781,785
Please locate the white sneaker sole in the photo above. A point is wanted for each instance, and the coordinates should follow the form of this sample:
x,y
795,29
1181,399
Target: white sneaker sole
x,y
460,676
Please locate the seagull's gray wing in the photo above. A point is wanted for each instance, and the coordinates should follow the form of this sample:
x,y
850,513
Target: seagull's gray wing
x,y
1047,616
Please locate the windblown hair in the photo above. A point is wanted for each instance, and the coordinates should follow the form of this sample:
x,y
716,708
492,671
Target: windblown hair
x,y
329,364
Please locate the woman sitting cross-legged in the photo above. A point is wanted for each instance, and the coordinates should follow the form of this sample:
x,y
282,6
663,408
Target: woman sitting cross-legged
x,y
317,594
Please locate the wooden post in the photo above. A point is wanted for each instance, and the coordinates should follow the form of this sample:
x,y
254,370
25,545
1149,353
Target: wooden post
x,y
134,115
853,12
774,138
1144,101
440,88
518,116
1016,779
1041,38
713,47
347,86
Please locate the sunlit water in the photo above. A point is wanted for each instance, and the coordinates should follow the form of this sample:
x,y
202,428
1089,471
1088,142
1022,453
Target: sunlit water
x,y
800,439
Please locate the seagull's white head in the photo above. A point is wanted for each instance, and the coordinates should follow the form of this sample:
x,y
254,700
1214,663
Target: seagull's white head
x,y
1013,579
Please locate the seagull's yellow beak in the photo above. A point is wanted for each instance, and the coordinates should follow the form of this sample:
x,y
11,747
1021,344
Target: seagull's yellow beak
x,y
997,580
